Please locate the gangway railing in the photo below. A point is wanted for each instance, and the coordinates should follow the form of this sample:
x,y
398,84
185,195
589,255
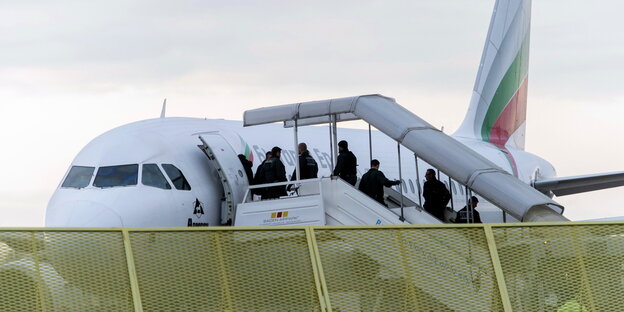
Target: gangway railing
x,y
323,201
430,144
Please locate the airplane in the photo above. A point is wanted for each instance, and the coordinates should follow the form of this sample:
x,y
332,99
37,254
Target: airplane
x,y
151,173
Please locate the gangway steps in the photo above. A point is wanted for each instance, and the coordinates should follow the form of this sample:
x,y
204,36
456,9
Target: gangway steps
x,y
324,201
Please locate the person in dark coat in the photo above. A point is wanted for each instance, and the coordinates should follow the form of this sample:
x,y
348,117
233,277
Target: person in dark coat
x,y
436,195
274,171
346,163
259,177
307,164
464,215
247,165
373,181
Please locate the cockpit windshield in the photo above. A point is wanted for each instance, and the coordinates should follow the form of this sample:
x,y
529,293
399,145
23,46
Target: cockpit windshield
x,y
153,177
111,176
177,178
78,177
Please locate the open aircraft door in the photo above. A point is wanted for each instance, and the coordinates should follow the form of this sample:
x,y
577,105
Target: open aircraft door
x,y
230,170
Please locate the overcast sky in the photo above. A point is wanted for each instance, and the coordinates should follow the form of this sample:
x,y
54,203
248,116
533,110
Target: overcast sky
x,y
71,70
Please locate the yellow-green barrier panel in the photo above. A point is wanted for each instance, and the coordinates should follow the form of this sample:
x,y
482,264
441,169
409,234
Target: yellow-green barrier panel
x,y
501,267
225,270
42,270
550,265
408,269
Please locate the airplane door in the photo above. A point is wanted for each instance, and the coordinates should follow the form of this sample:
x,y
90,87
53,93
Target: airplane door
x,y
230,170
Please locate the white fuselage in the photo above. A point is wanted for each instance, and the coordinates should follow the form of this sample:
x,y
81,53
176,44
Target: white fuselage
x,y
175,141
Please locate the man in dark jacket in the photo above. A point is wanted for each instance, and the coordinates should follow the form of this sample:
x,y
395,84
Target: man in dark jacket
x,y
346,163
436,195
247,165
307,164
259,177
274,171
373,181
469,214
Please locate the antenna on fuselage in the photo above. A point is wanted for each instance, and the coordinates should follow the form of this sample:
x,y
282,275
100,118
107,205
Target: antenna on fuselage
x,y
164,109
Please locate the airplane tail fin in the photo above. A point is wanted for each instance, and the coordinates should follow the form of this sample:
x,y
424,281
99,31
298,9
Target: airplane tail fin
x,y
497,111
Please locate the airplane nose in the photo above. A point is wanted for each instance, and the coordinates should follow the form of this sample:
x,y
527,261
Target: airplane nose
x,y
82,213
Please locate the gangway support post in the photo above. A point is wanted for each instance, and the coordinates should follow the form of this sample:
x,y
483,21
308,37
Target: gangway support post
x,y
335,140
400,180
370,144
297,164
331,146
418,181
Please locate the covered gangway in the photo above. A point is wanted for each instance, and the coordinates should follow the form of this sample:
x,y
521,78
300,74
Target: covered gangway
x,y
433,146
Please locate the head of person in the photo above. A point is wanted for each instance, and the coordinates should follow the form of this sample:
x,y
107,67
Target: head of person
x,y
474,201
430,174
302,148
276,152
343,146
375,163
242,157
268,155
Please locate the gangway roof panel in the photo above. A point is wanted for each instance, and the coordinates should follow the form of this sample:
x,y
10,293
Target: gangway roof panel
x,y
436,148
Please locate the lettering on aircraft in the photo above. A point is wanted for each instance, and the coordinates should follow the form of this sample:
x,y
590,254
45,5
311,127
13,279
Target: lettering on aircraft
x,y
287,157
190,223
319,155
260,152
327,158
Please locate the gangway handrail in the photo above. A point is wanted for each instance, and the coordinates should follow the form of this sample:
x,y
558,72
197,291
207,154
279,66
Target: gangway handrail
x,y
284,183
433,146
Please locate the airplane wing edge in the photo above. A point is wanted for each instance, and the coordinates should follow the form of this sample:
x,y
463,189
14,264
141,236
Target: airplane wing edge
x,y
579,184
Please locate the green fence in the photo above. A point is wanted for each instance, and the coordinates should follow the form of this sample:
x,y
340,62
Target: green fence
x,y
500,267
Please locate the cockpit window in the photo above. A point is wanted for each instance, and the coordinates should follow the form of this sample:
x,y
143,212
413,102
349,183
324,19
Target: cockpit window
x,y
78,177
152,176
112,176
177,178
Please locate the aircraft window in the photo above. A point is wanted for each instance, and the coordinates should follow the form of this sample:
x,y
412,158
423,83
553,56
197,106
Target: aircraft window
x,y
453,187
152,176
411,185
112,176
177,178
78,177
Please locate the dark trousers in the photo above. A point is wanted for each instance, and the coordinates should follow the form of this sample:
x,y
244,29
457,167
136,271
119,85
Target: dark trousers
x,y
435,211
351,179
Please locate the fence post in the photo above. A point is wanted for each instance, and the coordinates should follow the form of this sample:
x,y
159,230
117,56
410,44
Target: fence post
x,y
134,282
498,269
40,290
317,268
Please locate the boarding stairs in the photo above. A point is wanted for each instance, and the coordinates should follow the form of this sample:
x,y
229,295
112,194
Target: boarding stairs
x,y
323,201
459,162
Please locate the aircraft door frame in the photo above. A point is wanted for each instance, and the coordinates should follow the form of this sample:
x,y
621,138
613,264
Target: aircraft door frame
x,y
230,170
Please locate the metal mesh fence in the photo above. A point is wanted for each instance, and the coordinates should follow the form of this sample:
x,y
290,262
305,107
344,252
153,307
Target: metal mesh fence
x,y
438,269
63,271
225,271
520,267
548,266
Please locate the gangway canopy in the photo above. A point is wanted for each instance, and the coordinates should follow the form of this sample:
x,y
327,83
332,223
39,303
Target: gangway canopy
x,y
436,148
